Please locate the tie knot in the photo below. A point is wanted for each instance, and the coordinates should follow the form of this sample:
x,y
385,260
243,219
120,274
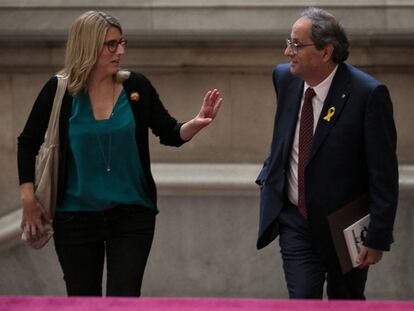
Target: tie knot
x,y
309,94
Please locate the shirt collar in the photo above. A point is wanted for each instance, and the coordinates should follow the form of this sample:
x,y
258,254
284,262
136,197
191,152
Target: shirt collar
x,y
322,89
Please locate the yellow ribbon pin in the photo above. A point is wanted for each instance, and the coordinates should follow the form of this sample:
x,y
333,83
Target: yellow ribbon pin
x,y
329,115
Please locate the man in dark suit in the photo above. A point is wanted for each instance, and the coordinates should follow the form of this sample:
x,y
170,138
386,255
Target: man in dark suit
x,y
334,140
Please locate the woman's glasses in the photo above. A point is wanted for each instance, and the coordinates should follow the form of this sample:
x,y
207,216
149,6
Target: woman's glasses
x,y
112,45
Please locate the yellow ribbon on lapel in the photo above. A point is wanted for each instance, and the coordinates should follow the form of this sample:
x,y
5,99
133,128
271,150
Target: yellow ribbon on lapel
x,y
329,114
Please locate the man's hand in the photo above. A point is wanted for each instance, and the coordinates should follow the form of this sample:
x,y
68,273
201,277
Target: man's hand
x,y
368,256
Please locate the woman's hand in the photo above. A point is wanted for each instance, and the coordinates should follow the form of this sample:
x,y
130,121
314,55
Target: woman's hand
x,y
209,108
34,216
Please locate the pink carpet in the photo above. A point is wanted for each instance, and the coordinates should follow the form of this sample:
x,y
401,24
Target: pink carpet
x,y
191,304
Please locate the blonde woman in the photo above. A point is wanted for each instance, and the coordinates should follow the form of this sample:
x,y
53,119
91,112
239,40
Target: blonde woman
x,y
106,202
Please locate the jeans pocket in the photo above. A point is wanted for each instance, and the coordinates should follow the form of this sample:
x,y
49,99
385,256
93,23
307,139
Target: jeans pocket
x,y
64,218
133,217
135,211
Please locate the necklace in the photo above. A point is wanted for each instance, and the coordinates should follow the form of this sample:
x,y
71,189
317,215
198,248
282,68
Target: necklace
x,y
107,159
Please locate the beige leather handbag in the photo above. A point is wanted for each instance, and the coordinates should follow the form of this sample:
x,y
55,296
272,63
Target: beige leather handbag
x,y
47,164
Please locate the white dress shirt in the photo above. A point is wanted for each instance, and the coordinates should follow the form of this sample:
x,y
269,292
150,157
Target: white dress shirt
x,y
321,91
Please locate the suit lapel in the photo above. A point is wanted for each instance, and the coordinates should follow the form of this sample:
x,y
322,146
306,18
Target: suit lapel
x,y
292,105
337,97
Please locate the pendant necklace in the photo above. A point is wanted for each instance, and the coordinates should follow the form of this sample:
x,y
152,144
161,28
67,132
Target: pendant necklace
x,y
107,160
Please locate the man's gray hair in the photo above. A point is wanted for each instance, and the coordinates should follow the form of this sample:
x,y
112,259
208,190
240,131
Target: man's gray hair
x,y
326,29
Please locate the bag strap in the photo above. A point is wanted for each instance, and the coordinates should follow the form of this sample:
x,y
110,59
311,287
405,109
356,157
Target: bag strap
x,y
52,132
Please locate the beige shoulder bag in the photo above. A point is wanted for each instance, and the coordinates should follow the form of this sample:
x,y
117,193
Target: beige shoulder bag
x,y
47,164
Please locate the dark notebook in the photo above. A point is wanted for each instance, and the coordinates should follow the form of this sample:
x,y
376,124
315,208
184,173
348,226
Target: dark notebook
x,y
340,220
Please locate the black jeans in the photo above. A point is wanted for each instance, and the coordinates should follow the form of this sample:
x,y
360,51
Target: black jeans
x,y
124,233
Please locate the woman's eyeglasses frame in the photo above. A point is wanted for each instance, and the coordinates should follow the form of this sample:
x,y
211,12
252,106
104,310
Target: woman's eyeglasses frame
x,y
112,45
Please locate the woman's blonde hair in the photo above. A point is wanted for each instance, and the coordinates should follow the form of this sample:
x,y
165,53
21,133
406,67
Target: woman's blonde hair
x,y
85,42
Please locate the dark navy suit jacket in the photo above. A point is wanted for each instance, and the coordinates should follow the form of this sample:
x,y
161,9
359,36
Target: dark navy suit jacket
x,y
352,154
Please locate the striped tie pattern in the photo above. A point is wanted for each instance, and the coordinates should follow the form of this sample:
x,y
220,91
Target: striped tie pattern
x,y
305,144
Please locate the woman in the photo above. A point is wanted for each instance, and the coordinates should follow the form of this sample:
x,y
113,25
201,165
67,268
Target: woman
x,y
106,195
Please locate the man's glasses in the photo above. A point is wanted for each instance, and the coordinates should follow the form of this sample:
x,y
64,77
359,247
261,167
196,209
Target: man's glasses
x,y
112,45
295,46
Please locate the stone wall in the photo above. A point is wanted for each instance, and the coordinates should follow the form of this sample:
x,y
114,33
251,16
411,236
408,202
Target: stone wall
x,y
204,244
186,47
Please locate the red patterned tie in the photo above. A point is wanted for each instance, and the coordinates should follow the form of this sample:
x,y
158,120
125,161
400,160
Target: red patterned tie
x,y
305,144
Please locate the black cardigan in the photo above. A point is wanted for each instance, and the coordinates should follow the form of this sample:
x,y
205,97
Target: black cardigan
x,y
148,112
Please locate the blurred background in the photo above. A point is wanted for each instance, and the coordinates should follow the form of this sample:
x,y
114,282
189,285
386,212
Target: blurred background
x,y
206,232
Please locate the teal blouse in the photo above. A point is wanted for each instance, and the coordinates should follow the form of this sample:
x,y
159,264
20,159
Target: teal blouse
x,y
104,167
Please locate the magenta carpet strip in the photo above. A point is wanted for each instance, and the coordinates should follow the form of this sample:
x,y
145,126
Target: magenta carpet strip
x,y
191,304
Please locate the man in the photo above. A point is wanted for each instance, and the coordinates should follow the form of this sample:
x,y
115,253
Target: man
x,y
331,145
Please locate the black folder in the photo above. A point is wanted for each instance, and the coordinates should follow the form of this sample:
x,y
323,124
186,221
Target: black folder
x,y
341,219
